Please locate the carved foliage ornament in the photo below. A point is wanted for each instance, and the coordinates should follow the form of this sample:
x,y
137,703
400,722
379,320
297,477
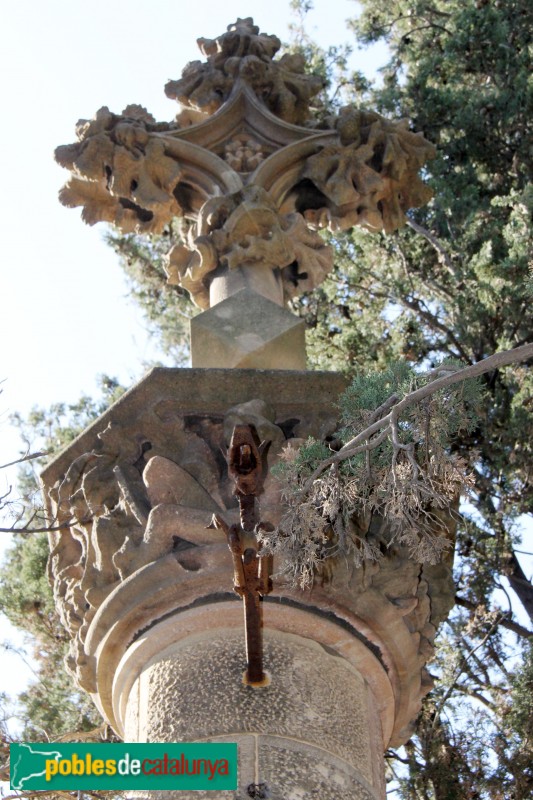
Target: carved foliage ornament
x,y
246,54
246,229
241,138
370,177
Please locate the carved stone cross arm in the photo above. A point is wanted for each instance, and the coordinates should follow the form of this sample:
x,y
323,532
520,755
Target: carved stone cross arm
x,y
246,164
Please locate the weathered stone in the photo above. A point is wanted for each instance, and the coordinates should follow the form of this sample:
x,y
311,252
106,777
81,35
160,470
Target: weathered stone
x,y
256,178
243,153
115,575
371,177
99,484
276,255
142,581
247,330
308,728
167,482
243,53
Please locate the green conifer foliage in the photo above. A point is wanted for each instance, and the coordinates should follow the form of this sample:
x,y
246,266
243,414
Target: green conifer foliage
x,y
455,284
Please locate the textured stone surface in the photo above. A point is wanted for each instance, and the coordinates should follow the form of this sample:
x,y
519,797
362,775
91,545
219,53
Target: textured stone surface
x,y
246,165
246,53
143,481
247,330
295,772
196,691
139,550
204,621
253,245
306,734
168,484
286,770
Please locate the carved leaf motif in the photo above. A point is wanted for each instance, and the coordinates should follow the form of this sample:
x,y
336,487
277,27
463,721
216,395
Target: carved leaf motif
x,y
246,229
253,235
97,204
344,179
371,177
189,266
123,172
243,153
313,258
243,52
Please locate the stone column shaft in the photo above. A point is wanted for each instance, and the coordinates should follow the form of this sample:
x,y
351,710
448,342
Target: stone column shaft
x,y
314,730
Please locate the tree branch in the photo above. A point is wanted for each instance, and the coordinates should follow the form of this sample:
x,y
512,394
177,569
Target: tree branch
x,y
520,584
443,255
505,623
357,444
459,671
27,457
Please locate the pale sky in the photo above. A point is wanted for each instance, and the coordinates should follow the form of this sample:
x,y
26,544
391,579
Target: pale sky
x,y
64,317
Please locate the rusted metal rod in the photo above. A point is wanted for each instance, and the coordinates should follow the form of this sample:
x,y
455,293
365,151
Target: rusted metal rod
x,y
253,619
251,571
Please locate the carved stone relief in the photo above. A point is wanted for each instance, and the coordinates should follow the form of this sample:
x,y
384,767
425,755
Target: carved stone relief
x,y
370,178
243,52
243,153
246,229
147,492
140,495
247,135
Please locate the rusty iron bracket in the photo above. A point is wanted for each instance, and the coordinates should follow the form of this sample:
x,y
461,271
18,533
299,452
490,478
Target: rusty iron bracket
x,y
251,571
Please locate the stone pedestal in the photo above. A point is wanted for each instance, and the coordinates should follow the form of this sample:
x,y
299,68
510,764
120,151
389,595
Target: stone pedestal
x,y
263,281
246,330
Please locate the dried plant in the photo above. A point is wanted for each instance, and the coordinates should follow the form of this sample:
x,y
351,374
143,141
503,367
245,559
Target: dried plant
x,y
397,462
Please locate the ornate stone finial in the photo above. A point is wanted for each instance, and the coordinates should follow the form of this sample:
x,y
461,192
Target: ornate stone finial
x,y
240,165
256,181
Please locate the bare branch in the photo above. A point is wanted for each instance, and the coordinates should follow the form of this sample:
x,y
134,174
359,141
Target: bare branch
x,y
504,622
44,529
444,256
459,672
22,459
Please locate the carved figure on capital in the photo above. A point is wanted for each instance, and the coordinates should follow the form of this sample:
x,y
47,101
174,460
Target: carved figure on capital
x,y
137,497
140,503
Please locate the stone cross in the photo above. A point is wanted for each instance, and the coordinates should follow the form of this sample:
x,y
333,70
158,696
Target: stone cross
x,y
146,500
255,169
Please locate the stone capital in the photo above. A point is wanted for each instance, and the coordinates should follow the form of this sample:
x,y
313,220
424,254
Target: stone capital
x,y
139,569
